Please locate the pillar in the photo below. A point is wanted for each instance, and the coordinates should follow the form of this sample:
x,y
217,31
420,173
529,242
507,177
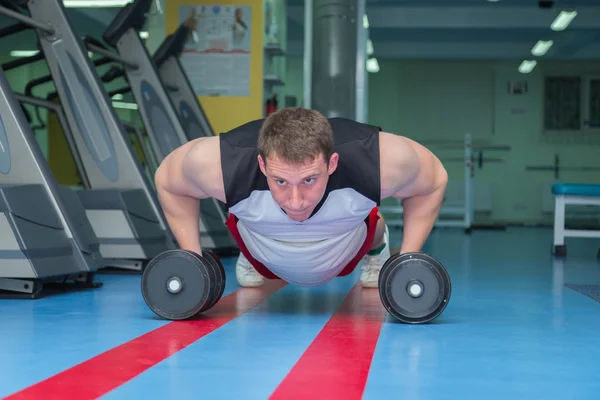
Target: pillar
x,y
334,47
335,76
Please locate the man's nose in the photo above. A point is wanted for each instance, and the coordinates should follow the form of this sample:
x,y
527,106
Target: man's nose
x,y
296,199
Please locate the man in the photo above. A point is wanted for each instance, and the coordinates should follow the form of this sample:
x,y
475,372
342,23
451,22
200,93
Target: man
x,y
302,191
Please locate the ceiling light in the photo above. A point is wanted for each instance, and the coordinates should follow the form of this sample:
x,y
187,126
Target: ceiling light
x,y
144,34
95,3
372,65
370,49
24,53
493,1
541,47
527,66
124,105
365,21
117,96
563,20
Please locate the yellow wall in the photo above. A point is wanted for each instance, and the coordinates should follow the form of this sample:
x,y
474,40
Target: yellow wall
x,y
61,161
225,113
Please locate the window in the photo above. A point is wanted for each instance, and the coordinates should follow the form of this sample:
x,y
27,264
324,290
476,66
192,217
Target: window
x,y
572,103
562,103
594,108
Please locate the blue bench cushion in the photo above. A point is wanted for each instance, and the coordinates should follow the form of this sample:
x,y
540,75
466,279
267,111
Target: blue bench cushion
x,y
576,189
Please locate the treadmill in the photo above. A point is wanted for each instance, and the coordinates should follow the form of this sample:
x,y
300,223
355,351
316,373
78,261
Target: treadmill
x,y
180,91
137,135
178,88
119,203
163,127
45,236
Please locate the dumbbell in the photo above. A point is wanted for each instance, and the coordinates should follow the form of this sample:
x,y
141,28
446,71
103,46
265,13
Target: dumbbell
x,y
414,287
178,284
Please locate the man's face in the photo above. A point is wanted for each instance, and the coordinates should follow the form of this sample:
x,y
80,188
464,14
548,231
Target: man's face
x,y
298,189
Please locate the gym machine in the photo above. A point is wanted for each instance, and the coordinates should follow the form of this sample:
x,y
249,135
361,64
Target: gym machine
x,y
557,167
461,213
28,98
163,127
178,86
141,138
38,103
135,134
45,236
119,202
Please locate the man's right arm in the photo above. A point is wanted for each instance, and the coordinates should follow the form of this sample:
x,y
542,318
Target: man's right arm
x,y
180,182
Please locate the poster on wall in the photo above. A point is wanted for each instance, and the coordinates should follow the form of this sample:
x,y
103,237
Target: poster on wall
x,y
216,56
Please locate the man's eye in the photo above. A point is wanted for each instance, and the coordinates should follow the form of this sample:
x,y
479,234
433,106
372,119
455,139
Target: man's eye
x,y
309,180
280,182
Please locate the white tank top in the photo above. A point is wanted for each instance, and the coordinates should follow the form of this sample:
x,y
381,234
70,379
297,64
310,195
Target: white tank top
x,y
307,253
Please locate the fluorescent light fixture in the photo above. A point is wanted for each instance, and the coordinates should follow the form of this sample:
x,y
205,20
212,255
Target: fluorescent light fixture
x,y
24,53
372,65
527,66
370,49
541,47
144,34
95,3
126,106
563,20
117,96
365,21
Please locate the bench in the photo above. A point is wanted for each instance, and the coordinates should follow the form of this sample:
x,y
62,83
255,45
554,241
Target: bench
x,y
572,194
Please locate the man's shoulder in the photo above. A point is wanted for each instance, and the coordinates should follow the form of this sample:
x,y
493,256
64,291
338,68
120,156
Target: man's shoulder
x,y
239,164
347,130
245,135
358,167
250,125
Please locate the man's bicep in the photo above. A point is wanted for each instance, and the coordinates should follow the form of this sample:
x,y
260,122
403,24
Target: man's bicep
x,y
417,170
197,168
431,174
176,172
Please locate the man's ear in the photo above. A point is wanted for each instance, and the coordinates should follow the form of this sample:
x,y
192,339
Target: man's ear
x,y
333,162
261,164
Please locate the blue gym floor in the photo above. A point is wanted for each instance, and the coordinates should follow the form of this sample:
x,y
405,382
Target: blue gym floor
x,y
514,328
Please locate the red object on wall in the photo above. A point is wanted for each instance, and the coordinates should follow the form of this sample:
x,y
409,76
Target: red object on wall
x,y
271,104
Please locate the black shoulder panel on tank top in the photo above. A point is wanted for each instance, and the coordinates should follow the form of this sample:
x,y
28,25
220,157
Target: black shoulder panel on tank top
x,y
358,166
239,162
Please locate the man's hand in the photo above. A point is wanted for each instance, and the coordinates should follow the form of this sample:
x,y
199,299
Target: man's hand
x,y
420,213
412,173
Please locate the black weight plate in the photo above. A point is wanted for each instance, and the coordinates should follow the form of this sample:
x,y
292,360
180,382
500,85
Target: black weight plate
x,y
394,279
221,278
195,274
214,278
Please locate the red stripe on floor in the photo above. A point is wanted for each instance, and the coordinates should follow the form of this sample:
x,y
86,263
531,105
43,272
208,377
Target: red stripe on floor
x,y
107,371
336,364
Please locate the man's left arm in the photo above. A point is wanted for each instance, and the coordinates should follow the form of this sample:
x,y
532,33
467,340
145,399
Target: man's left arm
x,y
420,212
421,184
